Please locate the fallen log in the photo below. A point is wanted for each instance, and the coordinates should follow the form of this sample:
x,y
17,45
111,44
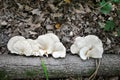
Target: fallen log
x,y
15,66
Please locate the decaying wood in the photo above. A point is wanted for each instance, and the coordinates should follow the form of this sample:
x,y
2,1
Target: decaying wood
x,y
19,66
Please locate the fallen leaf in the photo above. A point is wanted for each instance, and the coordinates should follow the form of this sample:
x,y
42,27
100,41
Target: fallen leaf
x,y
36,11
52,7
4,23
87,9
56,14
67,1
20,6
28,8
31,32
57,25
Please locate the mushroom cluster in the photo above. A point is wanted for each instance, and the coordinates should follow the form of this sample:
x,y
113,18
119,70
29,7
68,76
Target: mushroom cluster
x,y
89,46
43,45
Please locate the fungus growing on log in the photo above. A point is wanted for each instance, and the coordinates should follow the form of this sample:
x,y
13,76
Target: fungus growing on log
x,y
12,41
51,44
89,46
43,45
35,47
20,45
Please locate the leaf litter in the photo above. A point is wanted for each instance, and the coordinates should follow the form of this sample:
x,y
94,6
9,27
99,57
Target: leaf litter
x,y
67,19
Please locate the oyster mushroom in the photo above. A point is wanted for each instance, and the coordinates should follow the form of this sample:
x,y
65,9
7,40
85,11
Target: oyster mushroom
x,y
43,45
46,43
35,47
89,46
59,50
50,44
79,42
22,47
53,37
12,41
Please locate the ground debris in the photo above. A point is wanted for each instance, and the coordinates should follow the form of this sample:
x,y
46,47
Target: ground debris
x,y
75,18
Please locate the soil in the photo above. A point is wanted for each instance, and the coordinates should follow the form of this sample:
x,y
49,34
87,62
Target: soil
x,y
31,18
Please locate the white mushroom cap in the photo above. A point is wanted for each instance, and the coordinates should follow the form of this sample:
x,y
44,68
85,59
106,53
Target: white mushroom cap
x,y
22,47
79,43
74,49
42,52
53,37
35,47
92,39
12,41
89,46
96,50
46,43
59,50
50,44
43,45
83,53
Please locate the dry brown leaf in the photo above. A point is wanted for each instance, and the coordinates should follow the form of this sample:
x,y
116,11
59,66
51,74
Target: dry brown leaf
x,y
67,1
80,10
4,23
87,9
31,32
20,6
57,14
57,25
52,7
28,8
36,11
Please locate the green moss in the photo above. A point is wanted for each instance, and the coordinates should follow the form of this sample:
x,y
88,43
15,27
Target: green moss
x,y
91,71
31,73
3,75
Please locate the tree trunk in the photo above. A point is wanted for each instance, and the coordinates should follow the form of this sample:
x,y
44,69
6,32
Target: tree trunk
x,y
15,66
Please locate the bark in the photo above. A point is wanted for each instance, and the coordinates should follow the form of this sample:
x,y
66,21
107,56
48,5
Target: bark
x,y
16,66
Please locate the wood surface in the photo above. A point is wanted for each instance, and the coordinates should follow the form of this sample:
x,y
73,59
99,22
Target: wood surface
x,y
16,66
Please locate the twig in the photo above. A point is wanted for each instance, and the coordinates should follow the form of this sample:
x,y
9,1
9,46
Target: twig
x,y
94,74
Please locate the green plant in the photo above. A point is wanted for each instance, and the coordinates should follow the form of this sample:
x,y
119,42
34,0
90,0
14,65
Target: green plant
x,y
44,69
4,75
118,32
116,1
106,6
109,25
31,73
118,13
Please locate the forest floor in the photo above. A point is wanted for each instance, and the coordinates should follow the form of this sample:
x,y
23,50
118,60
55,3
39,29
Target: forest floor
x,y
66,18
